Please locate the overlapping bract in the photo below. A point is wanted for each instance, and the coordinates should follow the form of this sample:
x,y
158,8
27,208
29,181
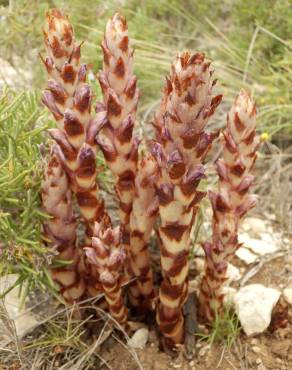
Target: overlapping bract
x,y
181,146
143,216
164,181
231,202
121,96
60,230
68,97
107,255
120,147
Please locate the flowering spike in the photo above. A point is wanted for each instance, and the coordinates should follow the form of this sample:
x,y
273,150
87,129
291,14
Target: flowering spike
x,y
68,97
120,147
107,256
60,230
143,215
231,202
181,146
120,100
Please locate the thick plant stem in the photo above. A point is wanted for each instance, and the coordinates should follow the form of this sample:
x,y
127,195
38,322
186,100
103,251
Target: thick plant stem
x,y
116,137
60,230
143,216
107,256
181,146
68,97
121,96
231,202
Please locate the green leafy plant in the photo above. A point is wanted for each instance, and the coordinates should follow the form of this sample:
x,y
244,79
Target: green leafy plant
x,y
22,123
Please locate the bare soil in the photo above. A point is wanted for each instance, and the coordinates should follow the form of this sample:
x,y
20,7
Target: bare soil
x,y
271,350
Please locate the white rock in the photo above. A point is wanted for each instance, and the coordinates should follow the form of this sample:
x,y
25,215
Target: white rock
x,y
254,224
287,293
139,338
229,294
256,349
262,246
246,255
204,350
199,252
254,304
24,321
232,273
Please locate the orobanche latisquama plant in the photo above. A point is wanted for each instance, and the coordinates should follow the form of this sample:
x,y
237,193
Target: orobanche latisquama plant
x,y
156,185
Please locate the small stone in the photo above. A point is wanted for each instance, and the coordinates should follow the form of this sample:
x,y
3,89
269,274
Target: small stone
x,y
262,246
200,252
278,360
229,294
232,273
261,367
254,341
258,361
192,363
246,255
139,338
253,305
256,349
287,294
254,224
199,345
24,321
203,351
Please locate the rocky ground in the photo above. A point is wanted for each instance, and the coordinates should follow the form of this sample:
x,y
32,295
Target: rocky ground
x,y
259,288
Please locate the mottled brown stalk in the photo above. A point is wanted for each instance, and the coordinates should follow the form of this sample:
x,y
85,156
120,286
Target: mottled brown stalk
x,y
143,216
68,97
232,201
181,146
116,138
60,230
107,256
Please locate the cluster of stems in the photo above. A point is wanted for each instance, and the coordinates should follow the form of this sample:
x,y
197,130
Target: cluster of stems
x,y
134,176
159,184
230,204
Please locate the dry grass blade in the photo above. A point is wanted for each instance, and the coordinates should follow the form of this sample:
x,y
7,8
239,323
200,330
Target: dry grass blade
x,y
11,332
